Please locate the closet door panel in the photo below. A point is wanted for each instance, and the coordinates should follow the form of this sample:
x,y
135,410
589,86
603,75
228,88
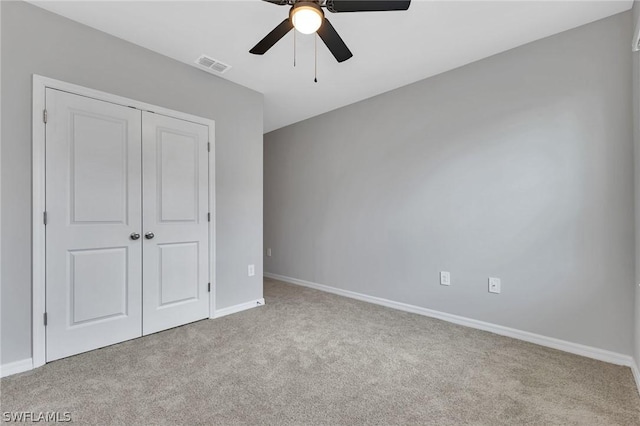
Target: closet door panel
x,y
175,209
93,202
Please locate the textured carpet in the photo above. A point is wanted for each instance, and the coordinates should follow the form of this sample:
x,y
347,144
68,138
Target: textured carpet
x,y
309,357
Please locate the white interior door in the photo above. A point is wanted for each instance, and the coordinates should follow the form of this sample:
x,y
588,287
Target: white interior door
x,y
175,218
93,203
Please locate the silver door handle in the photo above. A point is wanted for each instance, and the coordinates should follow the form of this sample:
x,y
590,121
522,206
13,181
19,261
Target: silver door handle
x,y
134,236
149,235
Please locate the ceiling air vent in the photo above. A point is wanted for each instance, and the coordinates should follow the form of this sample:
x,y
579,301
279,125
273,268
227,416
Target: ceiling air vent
x,y
212,65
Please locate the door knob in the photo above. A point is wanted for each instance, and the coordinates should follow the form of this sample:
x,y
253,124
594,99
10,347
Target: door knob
x,y
149,235
135,236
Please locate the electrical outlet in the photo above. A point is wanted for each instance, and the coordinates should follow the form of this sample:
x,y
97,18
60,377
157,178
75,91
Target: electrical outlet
x,y
494,285
445,278
252,270
268,252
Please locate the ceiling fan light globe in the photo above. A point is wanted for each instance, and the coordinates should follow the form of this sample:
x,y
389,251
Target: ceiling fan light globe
x,y
306,19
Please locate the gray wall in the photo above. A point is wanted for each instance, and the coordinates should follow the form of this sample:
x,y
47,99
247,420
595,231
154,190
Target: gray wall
x,y
36,41
636,120
518,166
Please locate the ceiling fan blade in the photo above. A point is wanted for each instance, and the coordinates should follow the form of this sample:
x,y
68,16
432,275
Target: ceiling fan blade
x,y
277,2
337,6
334,42
272,38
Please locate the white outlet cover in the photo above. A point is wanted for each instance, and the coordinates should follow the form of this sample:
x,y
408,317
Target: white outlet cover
x,y
494,285
445,278
252,270
268,252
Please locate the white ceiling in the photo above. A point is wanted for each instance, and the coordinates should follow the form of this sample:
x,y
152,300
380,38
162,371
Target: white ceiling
x,y
391,49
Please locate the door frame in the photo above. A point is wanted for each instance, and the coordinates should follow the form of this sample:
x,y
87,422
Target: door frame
x,y
38,296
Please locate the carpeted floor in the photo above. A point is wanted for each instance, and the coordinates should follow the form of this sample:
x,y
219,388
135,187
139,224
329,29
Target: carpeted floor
x,y
309,357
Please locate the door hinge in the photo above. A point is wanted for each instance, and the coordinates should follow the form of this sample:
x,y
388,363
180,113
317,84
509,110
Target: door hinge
x,y
44,218
45,318
45,116
208,146
208,217
209,287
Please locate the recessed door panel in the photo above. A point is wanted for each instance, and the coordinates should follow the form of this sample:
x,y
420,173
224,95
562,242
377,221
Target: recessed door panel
x,y
98,284
178,273
177,175
93,202
176,200
99,158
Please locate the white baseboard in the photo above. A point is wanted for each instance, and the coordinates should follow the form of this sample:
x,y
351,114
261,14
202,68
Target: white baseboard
x,y
574,348
238,308
636,374
16,367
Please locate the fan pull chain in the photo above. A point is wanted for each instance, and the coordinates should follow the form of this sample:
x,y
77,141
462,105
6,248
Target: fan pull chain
x,y
315,48
294,47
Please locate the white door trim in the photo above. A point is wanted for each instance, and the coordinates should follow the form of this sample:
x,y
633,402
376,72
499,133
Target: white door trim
x,y
40,84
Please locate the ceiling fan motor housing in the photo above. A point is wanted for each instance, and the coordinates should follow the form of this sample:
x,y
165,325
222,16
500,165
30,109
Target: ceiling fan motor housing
x,y
306,4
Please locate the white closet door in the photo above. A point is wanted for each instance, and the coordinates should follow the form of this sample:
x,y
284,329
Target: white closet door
x,y
175,207
93,201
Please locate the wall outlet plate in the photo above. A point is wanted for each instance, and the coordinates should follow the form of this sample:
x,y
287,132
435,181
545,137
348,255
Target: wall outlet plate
x,y
251,270
268,252
445,278
494,285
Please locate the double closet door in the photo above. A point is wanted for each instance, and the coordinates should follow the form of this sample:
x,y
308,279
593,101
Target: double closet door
x,y
127,231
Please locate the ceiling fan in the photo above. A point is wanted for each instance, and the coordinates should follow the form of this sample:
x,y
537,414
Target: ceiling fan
x,y
307,17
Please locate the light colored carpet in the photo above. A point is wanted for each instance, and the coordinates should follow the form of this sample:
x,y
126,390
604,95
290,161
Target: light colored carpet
x,y
309,357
